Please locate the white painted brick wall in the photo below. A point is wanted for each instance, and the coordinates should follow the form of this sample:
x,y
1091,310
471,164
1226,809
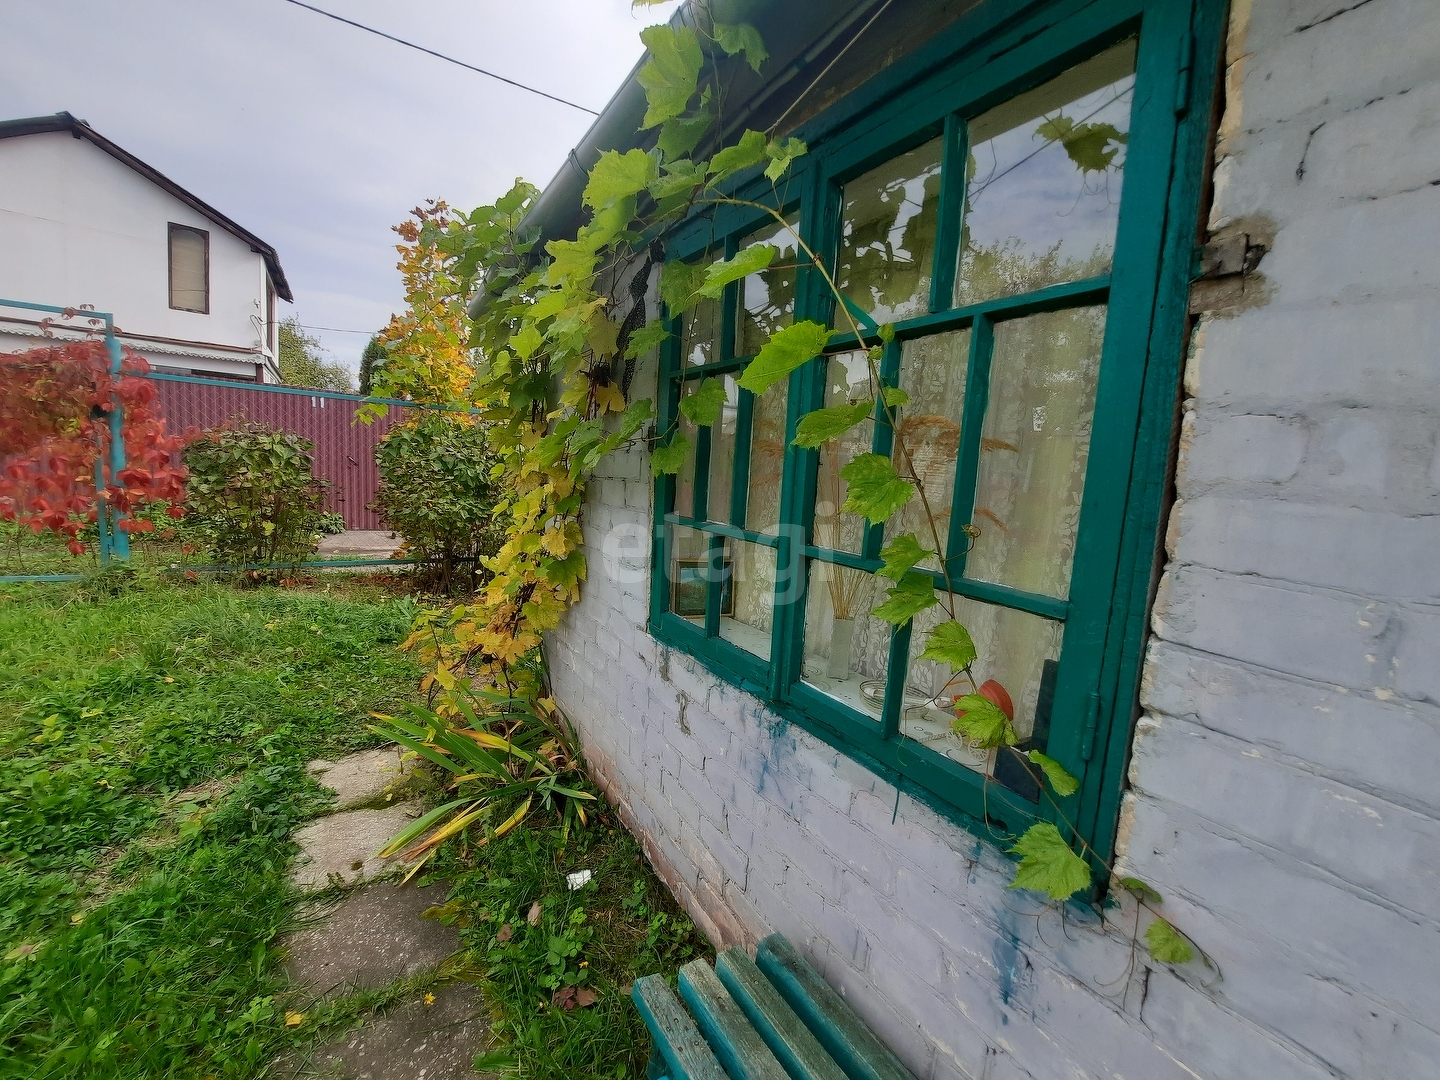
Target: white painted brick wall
x,y
1283,782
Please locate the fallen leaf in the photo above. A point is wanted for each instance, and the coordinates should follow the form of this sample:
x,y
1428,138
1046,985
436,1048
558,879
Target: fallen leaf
x,y
533,918
584,997
294,1019
564,998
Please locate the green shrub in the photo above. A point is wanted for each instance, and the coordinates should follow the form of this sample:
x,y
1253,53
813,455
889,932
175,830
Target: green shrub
x,y
436,492
253,495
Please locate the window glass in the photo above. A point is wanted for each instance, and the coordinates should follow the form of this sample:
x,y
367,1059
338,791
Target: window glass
x,y
1043,195
689,572
1016,653
189,278
685,478
848,382
766,301
747,621
846,648
932,372
887,237
767,459
700,332
722,454
1033,449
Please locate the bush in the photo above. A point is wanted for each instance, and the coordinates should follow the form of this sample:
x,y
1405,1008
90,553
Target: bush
x,y
436,492
253,495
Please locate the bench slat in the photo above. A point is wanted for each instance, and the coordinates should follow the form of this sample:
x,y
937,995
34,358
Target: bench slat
x,y
676,1036
783,1031
837,1026
737,1044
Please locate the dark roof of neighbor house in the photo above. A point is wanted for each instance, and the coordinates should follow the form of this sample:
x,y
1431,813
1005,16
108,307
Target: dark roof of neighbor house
x,y
79,129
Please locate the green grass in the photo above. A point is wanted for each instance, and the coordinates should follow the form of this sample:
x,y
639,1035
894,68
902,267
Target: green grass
x,y
601,937
152,751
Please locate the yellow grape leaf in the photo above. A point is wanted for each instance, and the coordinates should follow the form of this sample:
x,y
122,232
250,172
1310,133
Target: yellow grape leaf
x,y
608,396
294,1019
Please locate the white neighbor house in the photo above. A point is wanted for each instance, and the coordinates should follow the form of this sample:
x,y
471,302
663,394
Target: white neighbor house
x,y
83,222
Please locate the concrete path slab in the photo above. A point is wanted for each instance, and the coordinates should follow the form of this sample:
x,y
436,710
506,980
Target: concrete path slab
x,y
371,938
360,544
359,778
412,1041
342,847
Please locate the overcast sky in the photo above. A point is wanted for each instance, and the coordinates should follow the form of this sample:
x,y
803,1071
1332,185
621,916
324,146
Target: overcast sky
x,y
314,135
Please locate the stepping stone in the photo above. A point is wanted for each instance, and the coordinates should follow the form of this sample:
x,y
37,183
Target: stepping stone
x,y
360,778
373,937
341,848
412,1041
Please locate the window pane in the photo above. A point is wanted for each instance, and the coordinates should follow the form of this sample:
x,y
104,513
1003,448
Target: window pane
x,y
722,454
700,332
1045,171
747,620
767,458
188,286
689,574
846,648
932,372
1016,651
887,237
685,478
848,382
1033,449
767,299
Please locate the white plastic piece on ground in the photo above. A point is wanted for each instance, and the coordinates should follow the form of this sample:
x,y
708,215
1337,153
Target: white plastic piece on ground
x,y
578,880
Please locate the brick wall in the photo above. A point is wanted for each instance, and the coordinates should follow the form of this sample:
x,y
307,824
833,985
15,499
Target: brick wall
x,y
1283,792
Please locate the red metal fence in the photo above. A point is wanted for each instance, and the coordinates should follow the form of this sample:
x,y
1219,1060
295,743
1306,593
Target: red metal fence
x,y
344,448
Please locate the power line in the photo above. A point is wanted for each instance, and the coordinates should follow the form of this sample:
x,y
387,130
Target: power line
x,y
441,56
336,329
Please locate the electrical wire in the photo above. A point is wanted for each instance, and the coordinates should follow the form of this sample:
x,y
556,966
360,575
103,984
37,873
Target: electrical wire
x,y
440,56
336,329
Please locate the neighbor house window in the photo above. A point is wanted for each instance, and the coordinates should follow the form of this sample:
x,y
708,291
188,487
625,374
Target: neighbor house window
x,y
189,269
991,218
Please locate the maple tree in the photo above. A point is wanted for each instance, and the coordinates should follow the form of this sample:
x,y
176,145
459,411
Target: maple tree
x,y
55,408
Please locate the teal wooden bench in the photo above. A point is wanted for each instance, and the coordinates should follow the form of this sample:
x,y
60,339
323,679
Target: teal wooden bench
x,y
771,1019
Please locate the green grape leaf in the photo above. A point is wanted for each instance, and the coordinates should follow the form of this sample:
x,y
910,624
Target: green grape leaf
x,y
634,417
679,285
1143,889
901,555
876,490
1047,864
747,261
742,38
781,153
1087,145
672,74
911,595
680,136
526,341
787,349
1061,780
650,336
703,406
950,643
983,722
569,259
750,150
822,425
895,396
616,176
886,332
679,179
1167,944
671,458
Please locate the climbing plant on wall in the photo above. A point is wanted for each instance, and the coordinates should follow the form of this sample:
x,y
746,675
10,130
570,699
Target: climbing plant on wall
x,y
555,330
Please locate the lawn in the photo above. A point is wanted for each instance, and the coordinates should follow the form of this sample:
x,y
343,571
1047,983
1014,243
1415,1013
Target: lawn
x,y
152,753
153,742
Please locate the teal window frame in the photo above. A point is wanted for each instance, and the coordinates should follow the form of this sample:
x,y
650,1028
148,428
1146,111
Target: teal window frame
x,y
985,58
